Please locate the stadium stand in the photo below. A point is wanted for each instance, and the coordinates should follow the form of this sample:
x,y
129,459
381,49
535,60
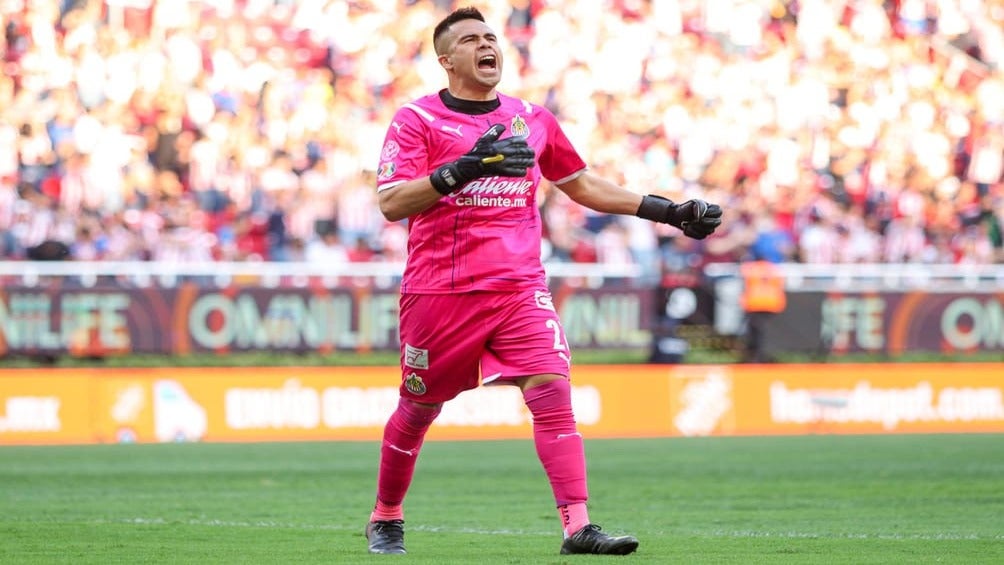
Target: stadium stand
x,y
855,131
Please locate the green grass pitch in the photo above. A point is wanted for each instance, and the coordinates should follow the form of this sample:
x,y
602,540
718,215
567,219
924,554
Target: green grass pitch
x,y
805,500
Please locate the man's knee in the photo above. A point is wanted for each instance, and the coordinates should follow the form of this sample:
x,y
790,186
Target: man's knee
x,y
527,383
418,414
550,396
422,405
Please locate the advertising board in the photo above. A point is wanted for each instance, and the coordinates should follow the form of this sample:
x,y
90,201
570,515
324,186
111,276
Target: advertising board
x,y
79,406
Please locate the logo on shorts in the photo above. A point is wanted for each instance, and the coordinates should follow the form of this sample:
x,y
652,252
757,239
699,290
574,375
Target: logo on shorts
x,y
415,384
543,300
416,358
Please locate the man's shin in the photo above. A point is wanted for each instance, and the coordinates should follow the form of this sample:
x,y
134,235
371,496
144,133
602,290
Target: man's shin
x,y
402,440
558,442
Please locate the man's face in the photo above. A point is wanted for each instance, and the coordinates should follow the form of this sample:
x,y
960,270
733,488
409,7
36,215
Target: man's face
x,y
472,56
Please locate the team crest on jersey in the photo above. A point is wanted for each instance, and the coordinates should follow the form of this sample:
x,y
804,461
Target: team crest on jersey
x,y
390,150
415,384
518,127
386,170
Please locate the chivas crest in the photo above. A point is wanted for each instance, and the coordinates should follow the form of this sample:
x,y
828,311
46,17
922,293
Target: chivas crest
x,y
415,384
518,127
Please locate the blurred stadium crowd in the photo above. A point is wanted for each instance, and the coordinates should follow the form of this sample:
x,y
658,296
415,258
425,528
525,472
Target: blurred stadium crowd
x,y
831,131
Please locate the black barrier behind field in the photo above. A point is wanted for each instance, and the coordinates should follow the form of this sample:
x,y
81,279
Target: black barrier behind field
x,y
51,312
891,323
192,318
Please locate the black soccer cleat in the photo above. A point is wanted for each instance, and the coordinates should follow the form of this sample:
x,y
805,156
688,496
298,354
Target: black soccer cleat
x,y
386,536
591,540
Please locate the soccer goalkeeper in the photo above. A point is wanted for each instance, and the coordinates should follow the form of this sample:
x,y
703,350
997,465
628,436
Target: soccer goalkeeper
x,y
463,165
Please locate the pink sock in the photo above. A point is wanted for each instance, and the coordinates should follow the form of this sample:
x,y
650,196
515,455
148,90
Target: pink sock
x,y
386,512
402,440
559,447
574,517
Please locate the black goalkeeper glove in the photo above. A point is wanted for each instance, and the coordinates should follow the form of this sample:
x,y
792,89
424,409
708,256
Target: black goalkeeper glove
x,y
696,218
509,157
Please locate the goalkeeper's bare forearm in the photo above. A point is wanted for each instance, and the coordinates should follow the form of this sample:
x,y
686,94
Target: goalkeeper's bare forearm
x,y
407,199
696,218
599,194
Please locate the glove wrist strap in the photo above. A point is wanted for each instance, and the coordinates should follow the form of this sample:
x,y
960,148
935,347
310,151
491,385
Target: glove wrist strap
x,y
446,179
654,208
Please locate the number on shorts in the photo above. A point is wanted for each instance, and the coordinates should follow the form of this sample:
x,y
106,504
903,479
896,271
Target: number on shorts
x,y
559,343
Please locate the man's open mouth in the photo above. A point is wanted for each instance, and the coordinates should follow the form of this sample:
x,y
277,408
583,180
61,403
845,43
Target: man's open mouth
x,y
487,62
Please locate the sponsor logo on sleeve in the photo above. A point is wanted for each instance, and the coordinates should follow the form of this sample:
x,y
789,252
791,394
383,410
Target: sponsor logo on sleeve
x,y
390,150
386,170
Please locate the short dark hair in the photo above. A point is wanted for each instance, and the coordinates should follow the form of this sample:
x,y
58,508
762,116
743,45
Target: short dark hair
x,y
468,13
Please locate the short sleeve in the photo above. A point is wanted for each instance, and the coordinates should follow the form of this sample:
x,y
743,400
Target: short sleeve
x,y
405,153
559,160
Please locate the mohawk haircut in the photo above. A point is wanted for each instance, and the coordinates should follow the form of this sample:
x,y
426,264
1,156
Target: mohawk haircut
x,y
468,13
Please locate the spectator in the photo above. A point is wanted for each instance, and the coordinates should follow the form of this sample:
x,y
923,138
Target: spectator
x,y
770,243
892,112
327,249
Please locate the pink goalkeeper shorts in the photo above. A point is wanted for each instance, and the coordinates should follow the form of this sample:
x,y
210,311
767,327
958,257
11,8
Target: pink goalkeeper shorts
x,y
451,342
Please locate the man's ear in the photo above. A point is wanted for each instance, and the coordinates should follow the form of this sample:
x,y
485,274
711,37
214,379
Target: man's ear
x,y
446,62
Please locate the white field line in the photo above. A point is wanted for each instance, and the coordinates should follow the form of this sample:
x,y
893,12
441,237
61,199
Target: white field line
x,y
327,527
735,534
846,535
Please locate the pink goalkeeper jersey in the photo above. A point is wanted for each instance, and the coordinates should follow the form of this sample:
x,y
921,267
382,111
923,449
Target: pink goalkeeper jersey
x,y
486,235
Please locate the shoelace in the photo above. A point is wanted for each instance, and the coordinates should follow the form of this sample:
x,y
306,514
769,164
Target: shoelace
x,y
385,526
595,538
